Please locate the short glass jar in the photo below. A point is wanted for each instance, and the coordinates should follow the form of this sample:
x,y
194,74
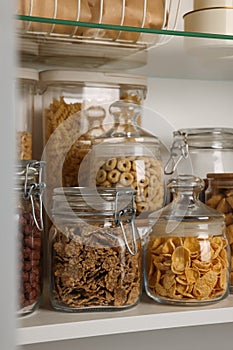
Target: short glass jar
x,y
219,196
129,156
187,258
27,80
29,189
95,251
201,151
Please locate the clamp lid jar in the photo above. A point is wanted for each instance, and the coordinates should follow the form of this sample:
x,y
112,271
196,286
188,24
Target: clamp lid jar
x,y
95,250
202,151
29,189
187,252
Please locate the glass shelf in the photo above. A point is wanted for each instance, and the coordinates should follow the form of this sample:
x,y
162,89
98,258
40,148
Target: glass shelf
x,y
118,28
173,53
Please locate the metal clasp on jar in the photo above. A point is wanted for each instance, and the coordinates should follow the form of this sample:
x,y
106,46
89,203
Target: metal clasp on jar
x,y
35,190
179,151
127,215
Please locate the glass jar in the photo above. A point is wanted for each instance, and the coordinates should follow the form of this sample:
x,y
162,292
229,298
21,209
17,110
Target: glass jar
x,y
219,196
27,79
129,156
201,151
187,257
95,116
28,191
95,251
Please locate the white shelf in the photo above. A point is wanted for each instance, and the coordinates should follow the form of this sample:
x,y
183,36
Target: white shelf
x,y
46,325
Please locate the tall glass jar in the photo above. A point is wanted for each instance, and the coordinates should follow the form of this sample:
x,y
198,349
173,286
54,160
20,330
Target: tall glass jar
x,y
95,116
219,196
29,188
187,258
95,251
27,79
66,95
129,156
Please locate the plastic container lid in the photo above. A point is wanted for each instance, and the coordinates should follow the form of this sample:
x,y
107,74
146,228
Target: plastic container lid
x,y
27,74
92,77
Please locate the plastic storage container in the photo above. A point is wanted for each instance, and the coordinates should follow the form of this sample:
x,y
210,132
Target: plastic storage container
x,y
129,156
27,79
29,189
201,151
219,196
66,95
95,250
187,258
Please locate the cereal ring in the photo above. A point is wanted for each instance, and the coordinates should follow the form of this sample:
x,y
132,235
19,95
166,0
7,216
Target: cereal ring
x,y
131,158
153,180
141,207
124,165
110,164
144,182
135,186
106,183
145,192
126,179
114,176
140,198
101,176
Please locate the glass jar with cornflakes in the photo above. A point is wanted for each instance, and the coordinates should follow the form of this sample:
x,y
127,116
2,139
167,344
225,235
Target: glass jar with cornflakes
x,y
187,256
129,156
219,196
27,79
95,251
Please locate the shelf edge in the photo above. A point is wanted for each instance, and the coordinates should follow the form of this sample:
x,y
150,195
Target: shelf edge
x,y
120,325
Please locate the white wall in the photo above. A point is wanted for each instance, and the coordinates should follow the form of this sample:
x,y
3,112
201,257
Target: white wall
x,y
190,103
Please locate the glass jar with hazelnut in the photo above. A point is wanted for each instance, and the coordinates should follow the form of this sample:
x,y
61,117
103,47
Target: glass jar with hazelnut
x,y
28,214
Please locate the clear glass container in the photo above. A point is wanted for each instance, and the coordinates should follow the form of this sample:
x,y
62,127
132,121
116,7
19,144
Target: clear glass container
x,y
187,257
219,196
201,151
95,116
66,95
27,79
29,189
129,156
95,251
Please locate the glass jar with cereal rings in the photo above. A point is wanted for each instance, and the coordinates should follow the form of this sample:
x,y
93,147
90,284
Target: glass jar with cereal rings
x,y
219,196
94,250
187,255
129,156
27,79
